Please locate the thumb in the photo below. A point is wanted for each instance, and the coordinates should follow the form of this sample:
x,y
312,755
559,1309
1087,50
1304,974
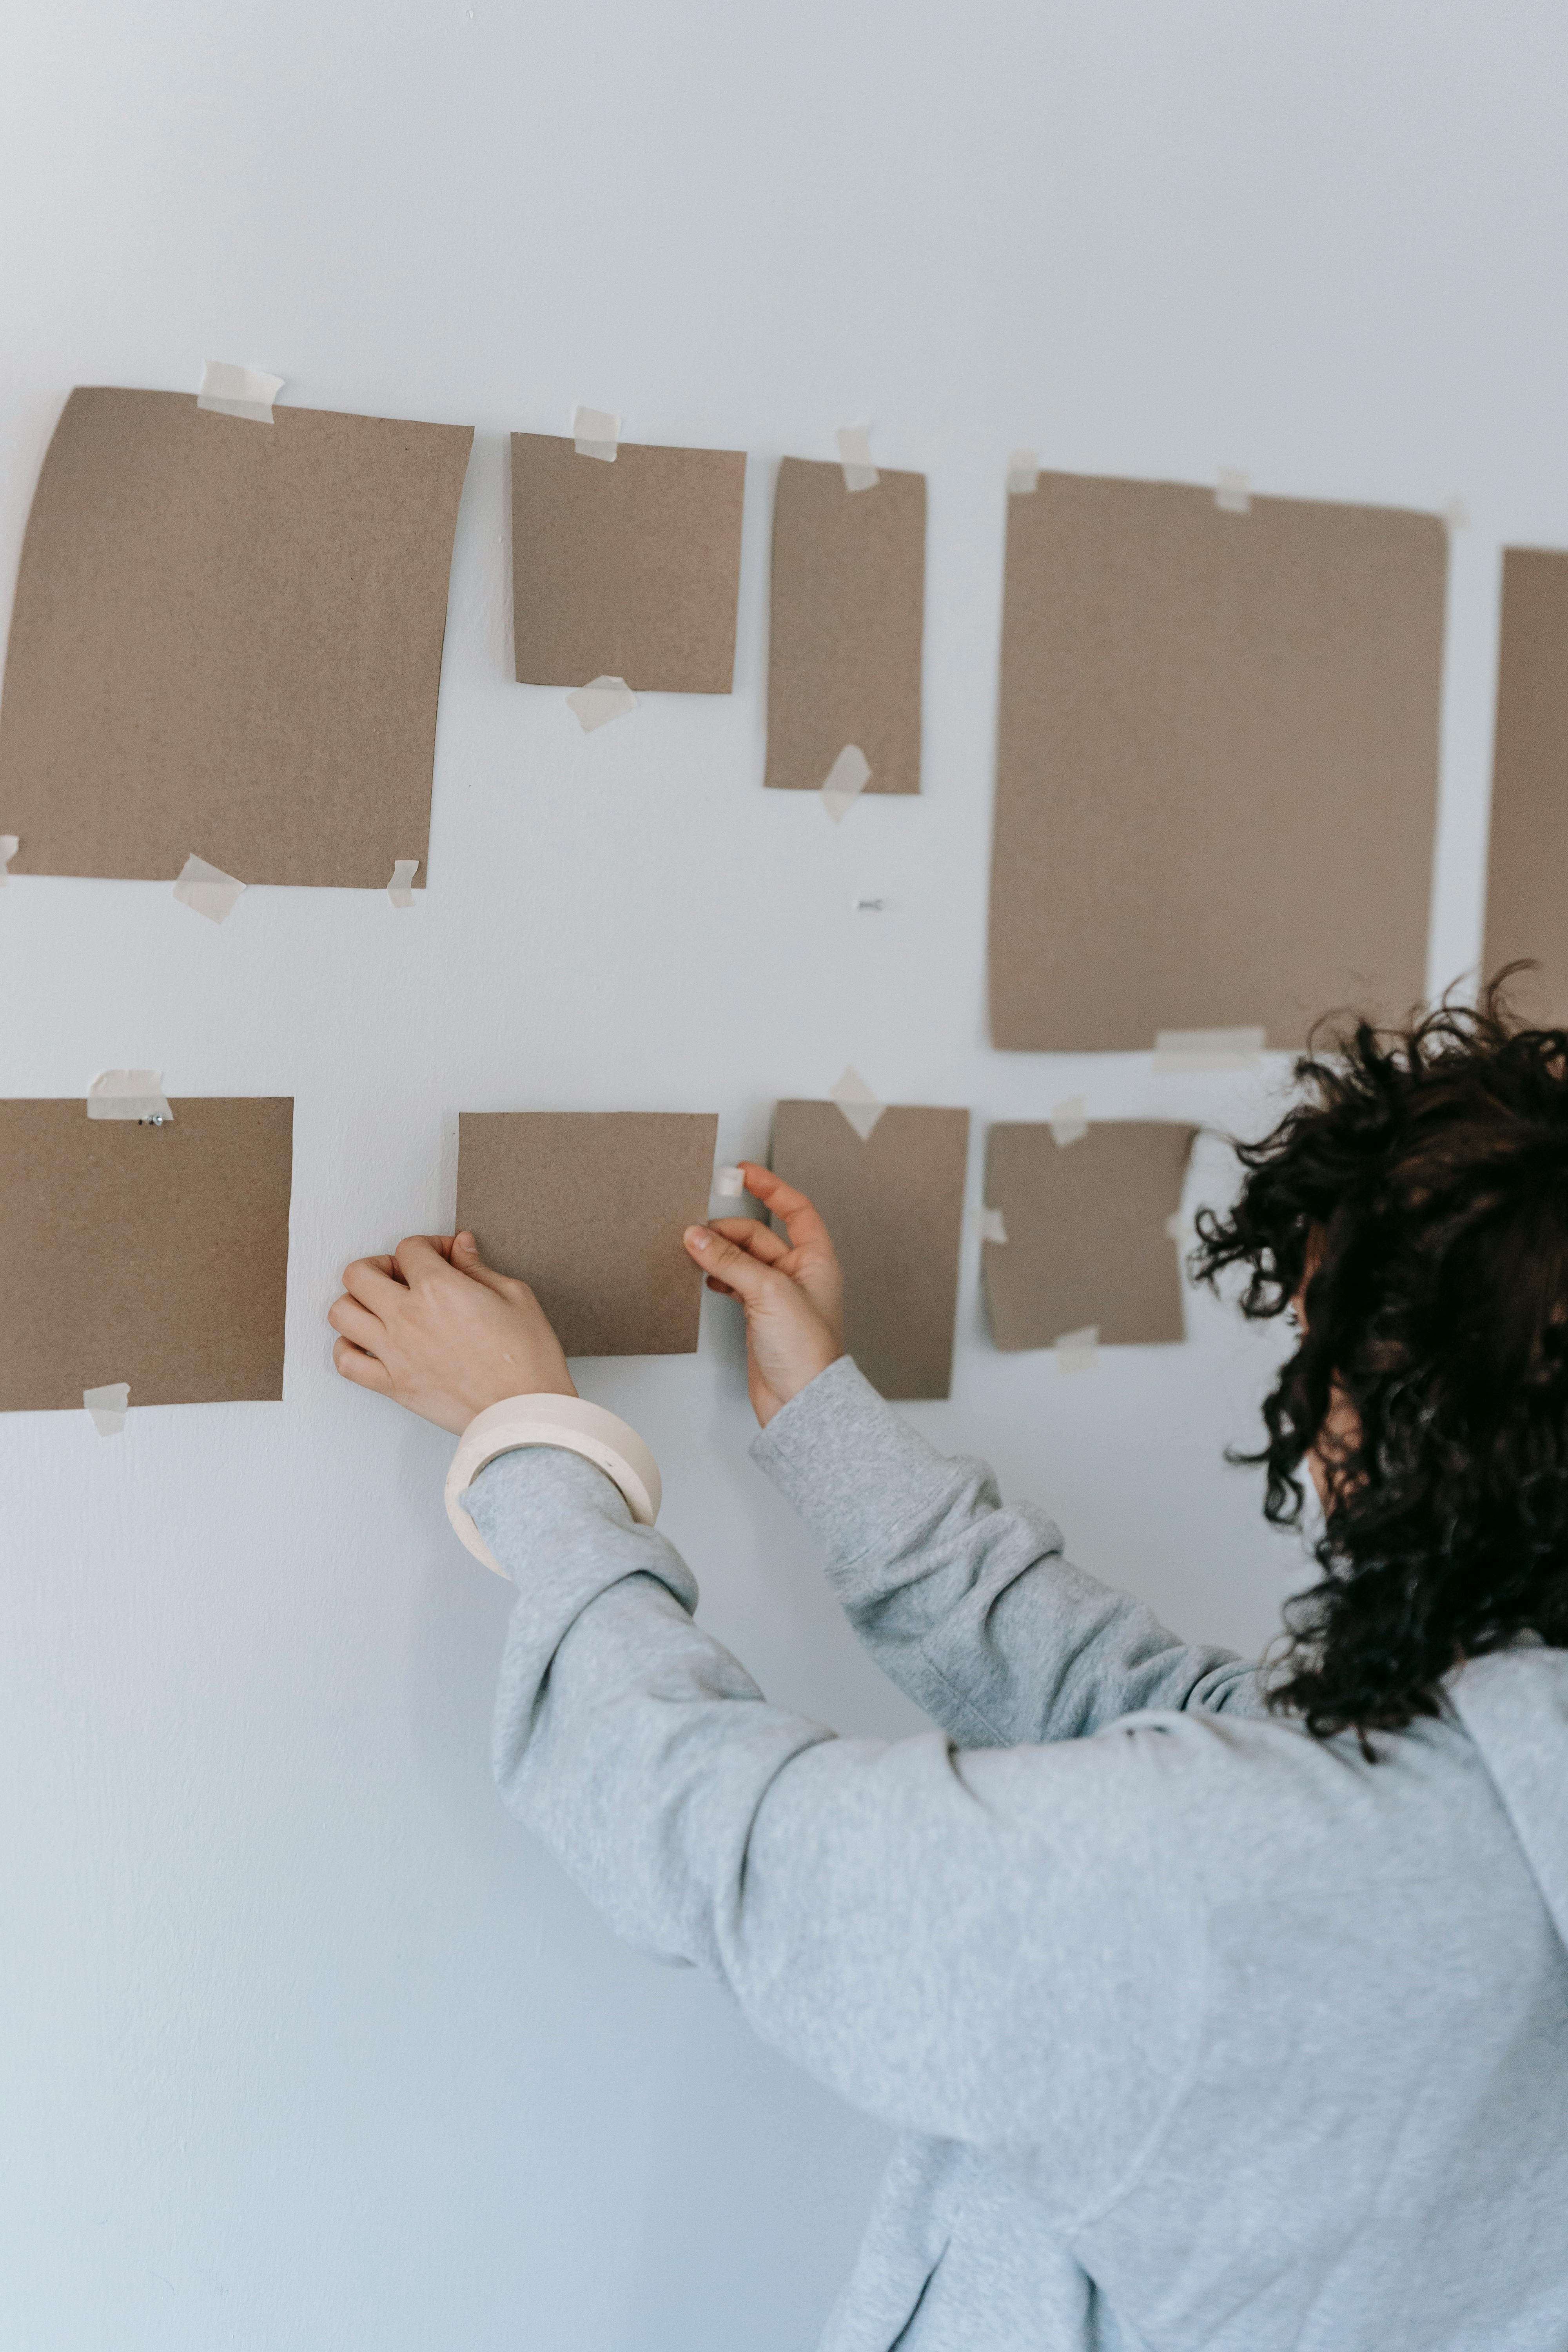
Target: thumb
x,y
750,1281
466,1259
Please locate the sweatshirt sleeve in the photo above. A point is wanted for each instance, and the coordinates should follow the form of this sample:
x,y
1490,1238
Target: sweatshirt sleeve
x,y
992,1948
967,1604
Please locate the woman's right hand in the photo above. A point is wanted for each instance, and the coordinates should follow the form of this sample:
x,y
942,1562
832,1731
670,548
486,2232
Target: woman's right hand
x,y
793,1292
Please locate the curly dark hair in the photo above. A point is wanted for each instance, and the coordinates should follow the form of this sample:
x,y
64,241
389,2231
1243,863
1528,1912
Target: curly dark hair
x,y
1416,1201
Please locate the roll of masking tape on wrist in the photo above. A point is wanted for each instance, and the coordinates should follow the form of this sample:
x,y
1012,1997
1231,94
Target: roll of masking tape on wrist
x,y
570,1422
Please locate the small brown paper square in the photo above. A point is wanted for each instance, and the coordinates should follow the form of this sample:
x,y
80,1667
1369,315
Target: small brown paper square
x,y
226,640
154,1254
588,1208
1527,907
1216,767
627,569
1087,1240
848,611
894,1208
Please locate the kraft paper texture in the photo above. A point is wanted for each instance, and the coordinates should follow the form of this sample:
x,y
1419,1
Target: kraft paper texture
x,y
1086,1233
848,611
588,1208
894,1207
1216,764
154,1254
226,640
626,570
1527,907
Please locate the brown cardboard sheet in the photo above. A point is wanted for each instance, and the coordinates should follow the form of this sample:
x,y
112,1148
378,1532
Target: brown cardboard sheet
x,y
1216,764
894,1207
849,613
588,1207
1087,1241
626,569
1527,904
226,640
154,1254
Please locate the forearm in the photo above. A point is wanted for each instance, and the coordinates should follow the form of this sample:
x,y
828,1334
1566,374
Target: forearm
x,y
968,1605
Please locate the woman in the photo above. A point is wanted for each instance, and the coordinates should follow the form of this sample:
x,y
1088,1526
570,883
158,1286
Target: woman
x,y
1218,2009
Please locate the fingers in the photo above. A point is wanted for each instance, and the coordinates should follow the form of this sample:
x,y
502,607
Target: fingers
x,y
466,1259
374,1282
365,1371
734,1266
419,1256
803,1226
750,1234
357,1324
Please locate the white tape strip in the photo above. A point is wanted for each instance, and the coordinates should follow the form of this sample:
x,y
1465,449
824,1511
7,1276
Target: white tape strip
x,y
595,433
207,889
730,1183
108,1407
400,889
239,391
1207,1049
128,1094
9,845
1022,473
1233,495
845,782
855,457
1173,1227
601,699
1456,514
1069,1124
858,1103
992,1225
1079,1351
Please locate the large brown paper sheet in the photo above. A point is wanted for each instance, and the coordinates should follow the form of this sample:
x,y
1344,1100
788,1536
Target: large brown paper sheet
x,y
626,569
1527,900
154,1254
894,1207
226,640
1216,764
849,611
1087,1240
588,1207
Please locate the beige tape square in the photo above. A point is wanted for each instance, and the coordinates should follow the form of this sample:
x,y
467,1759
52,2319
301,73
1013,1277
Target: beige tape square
x,y
855,457
858,1103
845,782
128,1094
9,845
601,699
400,889
207,889
239,391
109,1406
1079,1351
595,433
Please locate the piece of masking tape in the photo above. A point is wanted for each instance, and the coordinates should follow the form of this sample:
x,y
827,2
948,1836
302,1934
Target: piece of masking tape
x,y
855,457
1079,1351
1069,1124
1022,473
109,1406
845,782
128,1094
730,1183
400,889
1456,515
992,1225
858,1103
1207,1049
1173,1227
601,699
595,433
1234,495
9,845
239,391
207,889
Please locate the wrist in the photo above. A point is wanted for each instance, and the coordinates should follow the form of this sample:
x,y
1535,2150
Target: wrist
x,y
550,1417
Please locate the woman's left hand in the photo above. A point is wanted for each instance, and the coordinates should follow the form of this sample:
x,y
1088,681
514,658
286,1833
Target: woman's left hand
x,y
436,1330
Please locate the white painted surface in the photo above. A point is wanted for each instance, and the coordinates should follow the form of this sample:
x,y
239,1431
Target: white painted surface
x,y
302,2042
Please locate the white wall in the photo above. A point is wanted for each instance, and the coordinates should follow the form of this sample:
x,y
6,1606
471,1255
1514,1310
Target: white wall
x,y
302,2042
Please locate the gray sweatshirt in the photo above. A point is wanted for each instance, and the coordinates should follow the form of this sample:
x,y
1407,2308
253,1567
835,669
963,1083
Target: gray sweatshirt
x,y
1202,2033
